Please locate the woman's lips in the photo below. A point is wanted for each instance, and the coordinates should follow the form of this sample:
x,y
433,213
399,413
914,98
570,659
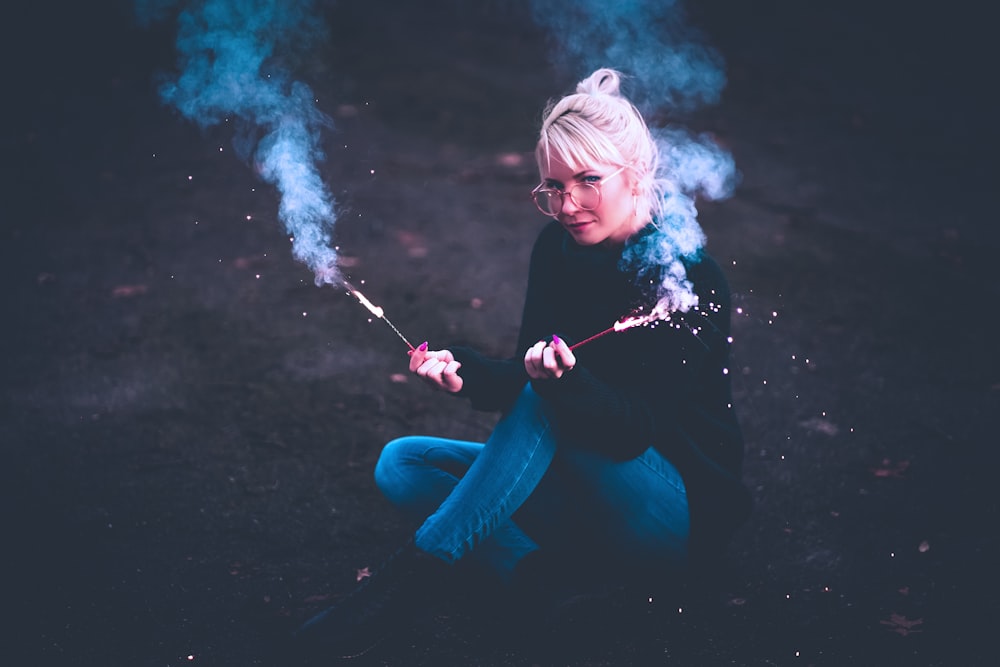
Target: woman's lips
x,y
574,226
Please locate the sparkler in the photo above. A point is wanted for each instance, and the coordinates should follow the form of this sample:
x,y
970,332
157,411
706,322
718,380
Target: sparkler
x,y
657,316
620,325
374,310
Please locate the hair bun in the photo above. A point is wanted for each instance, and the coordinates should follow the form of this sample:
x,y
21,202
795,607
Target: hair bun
x,y
604,81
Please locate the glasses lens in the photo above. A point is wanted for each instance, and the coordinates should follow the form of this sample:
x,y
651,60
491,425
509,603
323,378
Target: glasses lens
x,y
586,196
549,201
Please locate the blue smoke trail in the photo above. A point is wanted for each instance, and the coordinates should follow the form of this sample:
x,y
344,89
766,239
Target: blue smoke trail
x,y
690,166
650,42
229,58
646,39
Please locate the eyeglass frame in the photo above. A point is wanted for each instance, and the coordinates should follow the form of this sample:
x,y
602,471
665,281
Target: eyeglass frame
x,y
564,193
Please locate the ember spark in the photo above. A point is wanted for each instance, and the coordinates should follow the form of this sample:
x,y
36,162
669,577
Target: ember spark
x,y
377,311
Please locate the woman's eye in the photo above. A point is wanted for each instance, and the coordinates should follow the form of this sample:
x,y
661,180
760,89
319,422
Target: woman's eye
x,y
591,179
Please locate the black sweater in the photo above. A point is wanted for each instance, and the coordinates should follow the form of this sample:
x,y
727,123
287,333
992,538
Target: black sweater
x,y
665,385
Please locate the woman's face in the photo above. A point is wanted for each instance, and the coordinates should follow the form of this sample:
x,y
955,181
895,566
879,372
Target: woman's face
x,y
612,221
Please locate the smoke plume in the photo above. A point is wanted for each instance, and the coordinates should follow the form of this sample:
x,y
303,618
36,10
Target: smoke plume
x,y
650,40
231,65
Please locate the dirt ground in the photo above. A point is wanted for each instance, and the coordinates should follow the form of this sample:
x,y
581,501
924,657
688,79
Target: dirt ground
x,y
189,425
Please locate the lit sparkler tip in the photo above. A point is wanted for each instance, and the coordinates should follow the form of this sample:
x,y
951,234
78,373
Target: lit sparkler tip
x,y
372,308
377,311
629,322
363,300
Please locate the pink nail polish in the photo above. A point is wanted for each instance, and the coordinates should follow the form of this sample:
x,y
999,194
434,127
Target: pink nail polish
x,y
423,347
555,339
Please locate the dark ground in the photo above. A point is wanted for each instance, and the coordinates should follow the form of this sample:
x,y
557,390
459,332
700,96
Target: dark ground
x,y
187,455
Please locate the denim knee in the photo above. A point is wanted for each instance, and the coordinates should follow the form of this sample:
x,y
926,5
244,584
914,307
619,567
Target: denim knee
x,y
390,471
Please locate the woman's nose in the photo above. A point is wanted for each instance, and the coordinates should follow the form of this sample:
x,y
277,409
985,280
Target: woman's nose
x,y
569,206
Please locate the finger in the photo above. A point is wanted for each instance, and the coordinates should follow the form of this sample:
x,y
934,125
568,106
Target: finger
x,y
417,356
564,355
533,358
452,380
549,361
426,369
436,368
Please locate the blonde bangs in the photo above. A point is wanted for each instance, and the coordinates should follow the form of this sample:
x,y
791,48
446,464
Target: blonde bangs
x,y
577,143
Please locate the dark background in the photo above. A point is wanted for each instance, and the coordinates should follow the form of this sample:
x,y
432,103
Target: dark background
x,y
189,425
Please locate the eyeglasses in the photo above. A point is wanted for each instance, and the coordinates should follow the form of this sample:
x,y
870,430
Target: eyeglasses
x,y
586,196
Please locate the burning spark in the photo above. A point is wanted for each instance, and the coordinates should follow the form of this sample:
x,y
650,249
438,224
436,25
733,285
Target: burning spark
x,y
630,322
374,310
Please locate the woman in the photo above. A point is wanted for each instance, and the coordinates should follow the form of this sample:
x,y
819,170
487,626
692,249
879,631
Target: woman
x,y
624,453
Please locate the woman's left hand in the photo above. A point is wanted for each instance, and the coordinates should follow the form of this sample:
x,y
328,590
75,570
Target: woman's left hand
x,y
549,360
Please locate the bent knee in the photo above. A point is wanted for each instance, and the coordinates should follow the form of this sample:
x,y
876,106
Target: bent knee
x,y
391,463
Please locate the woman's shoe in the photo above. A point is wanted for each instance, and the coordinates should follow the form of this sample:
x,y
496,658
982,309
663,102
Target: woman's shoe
x,y
384,602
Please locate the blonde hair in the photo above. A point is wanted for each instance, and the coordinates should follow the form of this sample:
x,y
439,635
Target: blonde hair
x,y
597,124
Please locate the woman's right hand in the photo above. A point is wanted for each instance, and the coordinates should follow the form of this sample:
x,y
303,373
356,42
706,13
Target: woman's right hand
x,y
436,367
549,360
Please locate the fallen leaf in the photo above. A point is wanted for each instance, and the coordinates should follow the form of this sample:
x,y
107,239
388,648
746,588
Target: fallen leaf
x,y
249,262
902,625
819,425
510,159
363,573
415,244
347,262
398,378
123,291
890,469
924,547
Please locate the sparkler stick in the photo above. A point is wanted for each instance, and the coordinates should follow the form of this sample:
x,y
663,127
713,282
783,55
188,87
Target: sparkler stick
x,y
620,325
374,310
591,338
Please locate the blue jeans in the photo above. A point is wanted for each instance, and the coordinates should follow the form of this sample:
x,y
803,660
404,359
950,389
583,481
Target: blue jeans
x,y
466,495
